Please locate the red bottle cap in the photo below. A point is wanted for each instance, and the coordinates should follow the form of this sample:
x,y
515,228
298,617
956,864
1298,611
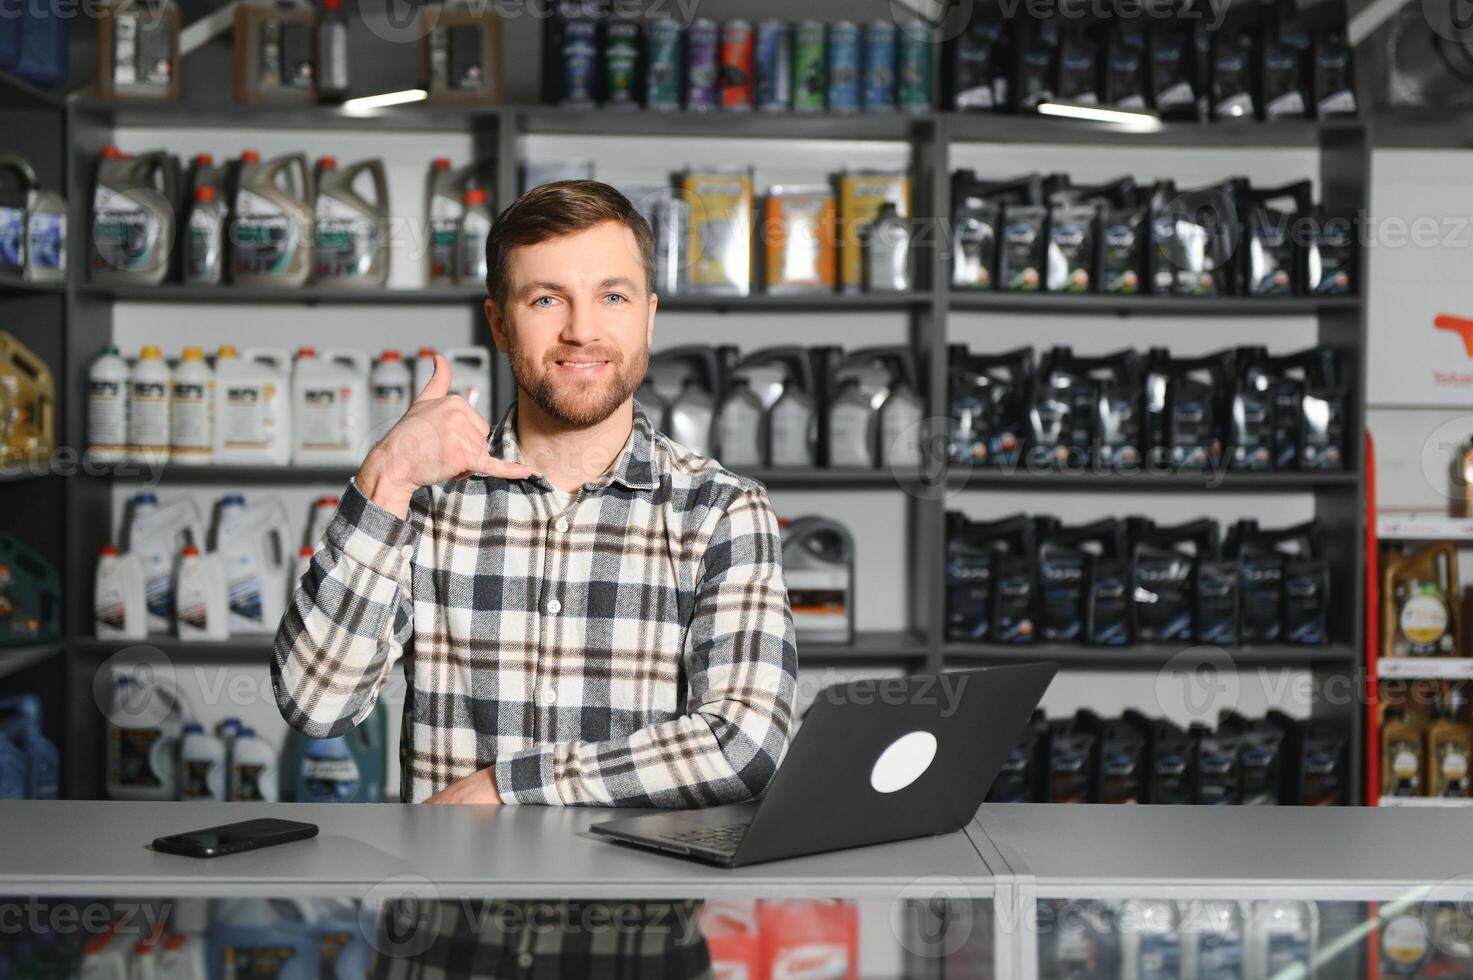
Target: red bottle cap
x,y
328,163
204,159
306,351
425,352
108,551
440,163
111,152
204,193
250,156
190,551
475,196
389,355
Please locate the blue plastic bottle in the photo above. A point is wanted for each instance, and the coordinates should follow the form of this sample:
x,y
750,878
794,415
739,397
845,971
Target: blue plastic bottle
x,y
43,44
351,768
20,724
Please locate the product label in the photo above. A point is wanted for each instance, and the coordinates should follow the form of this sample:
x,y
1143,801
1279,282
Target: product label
x,y
474,229
789,436
1424,620
125,234
191,419
249,417
243,585
107,415
849,430
347,241
719,241
12,239
246,786
132,757
324,421
148,414
1404,760
265,238
195,779
204,246
46,241
331,780
445,215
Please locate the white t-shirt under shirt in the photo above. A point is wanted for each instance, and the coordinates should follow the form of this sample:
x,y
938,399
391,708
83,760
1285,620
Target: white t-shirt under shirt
x,y
560,500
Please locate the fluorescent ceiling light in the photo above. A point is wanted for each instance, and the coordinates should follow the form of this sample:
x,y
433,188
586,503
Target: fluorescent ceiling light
x,y
1141,122
370,102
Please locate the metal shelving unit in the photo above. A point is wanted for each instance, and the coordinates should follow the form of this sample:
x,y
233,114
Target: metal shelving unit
x,y
82,319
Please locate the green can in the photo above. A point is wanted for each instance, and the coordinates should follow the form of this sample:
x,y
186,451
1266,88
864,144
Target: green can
x,y
810,67
662,65
913,66
621,64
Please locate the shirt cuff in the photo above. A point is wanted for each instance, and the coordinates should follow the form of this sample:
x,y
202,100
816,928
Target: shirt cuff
x,y
370,535
528,776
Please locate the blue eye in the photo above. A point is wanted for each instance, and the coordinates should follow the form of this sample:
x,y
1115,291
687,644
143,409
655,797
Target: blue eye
x,y
616,298
538,300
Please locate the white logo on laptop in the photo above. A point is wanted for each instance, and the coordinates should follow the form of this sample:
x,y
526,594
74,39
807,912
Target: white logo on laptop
x,y
903,762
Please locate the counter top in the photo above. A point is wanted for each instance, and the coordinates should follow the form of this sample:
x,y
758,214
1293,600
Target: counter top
x,y
1354,853
102,848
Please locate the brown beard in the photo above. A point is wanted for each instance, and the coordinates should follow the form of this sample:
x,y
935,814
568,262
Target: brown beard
x,y
577,412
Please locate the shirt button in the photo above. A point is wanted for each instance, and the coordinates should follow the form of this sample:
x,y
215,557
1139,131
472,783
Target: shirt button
x,y
549,693
562,524
407,551
524,960
554,607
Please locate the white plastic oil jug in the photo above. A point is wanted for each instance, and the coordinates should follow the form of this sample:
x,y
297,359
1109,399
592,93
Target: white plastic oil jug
x,y
146,717
252,406
330,407
251,543
203,611
157,534
119,602
470,376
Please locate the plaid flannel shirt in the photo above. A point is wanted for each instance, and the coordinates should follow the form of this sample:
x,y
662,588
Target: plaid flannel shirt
x,y
635,648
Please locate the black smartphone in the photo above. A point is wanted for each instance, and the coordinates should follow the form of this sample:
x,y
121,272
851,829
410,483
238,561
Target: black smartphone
x,y
232,838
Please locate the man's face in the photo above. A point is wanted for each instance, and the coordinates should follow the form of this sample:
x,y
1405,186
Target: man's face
x,y
578,322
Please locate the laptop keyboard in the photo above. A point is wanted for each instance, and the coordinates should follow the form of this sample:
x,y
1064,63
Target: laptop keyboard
x,y
712,838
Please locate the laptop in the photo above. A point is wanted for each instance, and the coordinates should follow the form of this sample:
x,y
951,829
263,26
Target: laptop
x,y
874,761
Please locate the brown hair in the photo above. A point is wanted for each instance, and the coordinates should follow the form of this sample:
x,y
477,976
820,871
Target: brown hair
x,y
556,209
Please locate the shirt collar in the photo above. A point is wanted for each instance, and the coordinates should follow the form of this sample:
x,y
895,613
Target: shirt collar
x,y
633,468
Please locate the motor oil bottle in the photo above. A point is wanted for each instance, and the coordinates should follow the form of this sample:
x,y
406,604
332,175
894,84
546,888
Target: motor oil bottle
x,y
30,394
351,768
271,221
20,724
30,594
991,575
989,398
33,224
203,172
149,387
1449,749
145,717
1403,754
203,606
1151,946
202,765
1316,768
253,769
192,410
1283,938
330,406
1213,939
324,509
901,439
460,53
275,53
679,394
1071,753
444,208
475,226
133,217
1464,481
251,543
204,258
138,51
157,534
107,407
1284,582
1018,782
740,436
886,243
792,418
332,52
1219,779
1119,763
119,602
818,566
252,407
352,230
470,377
1420,603
866,382
1171,759
183,957
391,389
1167,564
1260,758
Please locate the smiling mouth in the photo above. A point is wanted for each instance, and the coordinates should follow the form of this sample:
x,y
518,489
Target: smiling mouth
x,y
581,365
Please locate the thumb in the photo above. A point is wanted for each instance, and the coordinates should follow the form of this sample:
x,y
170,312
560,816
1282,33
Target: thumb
x,y
439,383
